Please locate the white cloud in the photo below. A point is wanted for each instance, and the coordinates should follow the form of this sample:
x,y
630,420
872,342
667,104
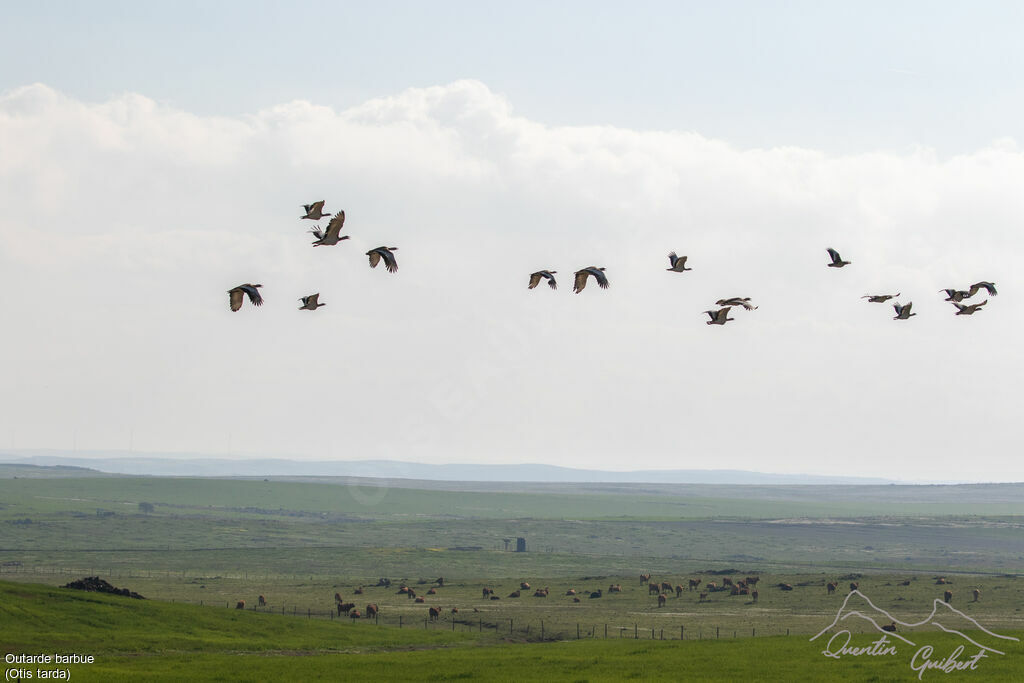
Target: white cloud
x,y
123,223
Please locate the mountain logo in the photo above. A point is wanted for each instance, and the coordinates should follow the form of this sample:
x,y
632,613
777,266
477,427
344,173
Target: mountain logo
x,y
896,636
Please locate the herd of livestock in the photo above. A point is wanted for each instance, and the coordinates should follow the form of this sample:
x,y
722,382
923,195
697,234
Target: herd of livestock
x,y
331,236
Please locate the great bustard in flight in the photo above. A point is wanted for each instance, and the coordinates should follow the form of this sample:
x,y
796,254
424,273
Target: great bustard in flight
x,y
237,294
329,237
737,301
547,274
968,309
314,211
677,263
581,278
879,298
719,317
837,260
383,253
903,312
956,294
990,287
310,303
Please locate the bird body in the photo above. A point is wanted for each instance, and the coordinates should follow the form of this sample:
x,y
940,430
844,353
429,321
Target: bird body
x,y
737,301
956,294
879,298
237,294
548,274
581,278
990,287
314,211
971,309
310,303
329,237
837,260
677,263
383,253
719,317
903,312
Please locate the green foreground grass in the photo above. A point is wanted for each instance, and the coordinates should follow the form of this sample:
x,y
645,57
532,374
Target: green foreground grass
x,y
149,640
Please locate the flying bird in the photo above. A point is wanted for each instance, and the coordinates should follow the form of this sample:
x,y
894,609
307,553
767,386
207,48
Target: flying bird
x,y
737,301
903,312
309,303
383,253
879,298
314,211
837,260
964,309
719,317
237,294
581,278
329,237
956,294
678,263
548,274
990,287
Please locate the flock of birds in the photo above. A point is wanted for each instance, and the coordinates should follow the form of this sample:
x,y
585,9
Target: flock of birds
x,y
331,235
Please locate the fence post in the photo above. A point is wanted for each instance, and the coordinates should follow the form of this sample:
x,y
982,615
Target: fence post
x,y
606,631
753,631
577,630
399,621
542,629
636,632
717,633
510,627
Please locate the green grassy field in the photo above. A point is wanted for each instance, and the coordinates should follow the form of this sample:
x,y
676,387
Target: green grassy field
x,y
132,639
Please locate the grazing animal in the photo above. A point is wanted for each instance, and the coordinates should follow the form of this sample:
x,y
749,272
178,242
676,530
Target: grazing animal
x,y
785,587
891,628
679,590
735,590
575,599
355,614
971,309
879,298
514,594
903,312
743,591
740,583
345,607
310,303
358,591
947,596
727,581
337,597
384,582
495,597
703,597
541,592
712,586
549,275
420,599
989,287
939,580
237,294
262,601
314,211
837,260
581,278
240,604
694,583
677,263
752,580
737,301
854,586
371,610
662,599
383,253
571,591
410,593
753,594
666,587
977,594
653,588
596,594
403,589
832,586
524,586
455,610
329,237
435,613
440,582
905,583
644,578
615,588
432,591
955,295
488,591
719,317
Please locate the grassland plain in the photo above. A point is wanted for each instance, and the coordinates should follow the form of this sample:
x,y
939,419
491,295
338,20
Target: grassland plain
x,y
149,640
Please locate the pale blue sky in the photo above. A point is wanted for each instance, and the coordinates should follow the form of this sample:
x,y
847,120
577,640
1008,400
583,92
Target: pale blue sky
x,y
841,77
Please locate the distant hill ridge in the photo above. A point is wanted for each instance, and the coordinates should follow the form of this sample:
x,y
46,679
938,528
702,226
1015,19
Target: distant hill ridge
x,y
166,464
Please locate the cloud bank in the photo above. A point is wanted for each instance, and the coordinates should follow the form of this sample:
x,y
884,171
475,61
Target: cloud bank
x,y
123,223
